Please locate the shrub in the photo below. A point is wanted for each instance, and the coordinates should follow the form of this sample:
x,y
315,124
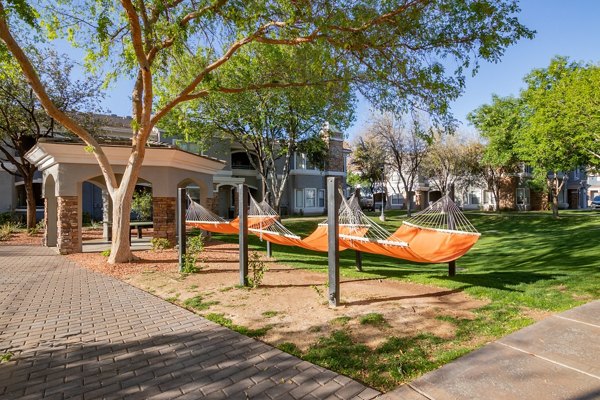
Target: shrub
x,y
141,204
194,246
258,269
160,244
106,253
5,233
36,229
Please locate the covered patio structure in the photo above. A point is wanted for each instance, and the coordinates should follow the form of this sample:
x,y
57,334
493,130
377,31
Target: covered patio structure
x,y
65,166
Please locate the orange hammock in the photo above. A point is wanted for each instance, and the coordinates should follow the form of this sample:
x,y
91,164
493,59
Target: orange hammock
x,y
316,241
233,226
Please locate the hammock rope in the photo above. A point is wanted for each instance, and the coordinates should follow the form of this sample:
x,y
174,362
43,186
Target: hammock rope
x,y
440,233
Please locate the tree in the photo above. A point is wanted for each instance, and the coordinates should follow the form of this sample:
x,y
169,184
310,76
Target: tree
x,y
548,140
448,162
405,149
368,161
389,50
23,121
499,123
271,127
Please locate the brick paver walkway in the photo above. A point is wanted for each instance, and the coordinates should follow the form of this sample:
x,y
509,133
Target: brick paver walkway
x,y
78,334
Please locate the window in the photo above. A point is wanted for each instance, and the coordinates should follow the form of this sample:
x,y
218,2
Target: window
x,y
310,196
474,197
396,199
344,169
522,196
299,198
487,198
321,197
300,161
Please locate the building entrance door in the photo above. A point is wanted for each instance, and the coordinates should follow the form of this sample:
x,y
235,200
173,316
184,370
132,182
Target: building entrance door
x,y
573,199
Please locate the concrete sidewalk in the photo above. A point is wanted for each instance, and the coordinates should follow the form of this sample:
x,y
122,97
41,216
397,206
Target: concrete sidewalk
x,y
79,334
557,358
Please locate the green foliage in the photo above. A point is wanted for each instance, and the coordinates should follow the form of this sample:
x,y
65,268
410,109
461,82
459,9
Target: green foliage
x,y
368,160
226,322
372,319
8,228
270,314
257,268
6,357
8,216
194,248
141,204
159,244
343,320
36,229
197,304
105,253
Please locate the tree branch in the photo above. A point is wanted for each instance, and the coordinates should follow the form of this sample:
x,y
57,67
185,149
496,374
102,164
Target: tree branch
x,y
37,86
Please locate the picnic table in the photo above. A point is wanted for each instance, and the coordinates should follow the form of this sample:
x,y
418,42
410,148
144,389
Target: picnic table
x,y
137,225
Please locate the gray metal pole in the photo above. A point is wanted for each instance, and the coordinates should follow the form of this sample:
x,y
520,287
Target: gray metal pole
x,y
451,226
243,221
181,234
333,205
358,260
269,250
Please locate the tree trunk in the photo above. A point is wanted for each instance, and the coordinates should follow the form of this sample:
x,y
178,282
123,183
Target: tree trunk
x,y
409,197
554,205
120,250
31,206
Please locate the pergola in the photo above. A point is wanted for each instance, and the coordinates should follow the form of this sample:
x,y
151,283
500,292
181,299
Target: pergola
x,y
65,166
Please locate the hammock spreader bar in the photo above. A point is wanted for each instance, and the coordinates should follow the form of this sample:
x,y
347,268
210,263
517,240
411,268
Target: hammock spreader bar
x,y
425,238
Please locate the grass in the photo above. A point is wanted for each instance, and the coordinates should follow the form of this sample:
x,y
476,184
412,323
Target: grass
x,y
523,262
270,314
6,357
226,322
372,319
197,303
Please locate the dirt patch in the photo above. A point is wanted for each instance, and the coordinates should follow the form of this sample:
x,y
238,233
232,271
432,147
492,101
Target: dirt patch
x,y
293,302
23,238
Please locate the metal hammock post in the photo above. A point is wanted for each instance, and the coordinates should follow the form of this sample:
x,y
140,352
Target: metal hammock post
x,y
181,233
451,226
243,221
333,253
269,250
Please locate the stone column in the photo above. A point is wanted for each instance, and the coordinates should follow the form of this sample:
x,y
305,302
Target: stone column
x,y
164,218
69,231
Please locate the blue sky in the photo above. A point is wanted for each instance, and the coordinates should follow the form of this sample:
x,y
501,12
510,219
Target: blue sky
x,y
569,28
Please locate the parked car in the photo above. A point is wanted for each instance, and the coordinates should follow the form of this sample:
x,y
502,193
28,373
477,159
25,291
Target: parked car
x,y
366,203
596,203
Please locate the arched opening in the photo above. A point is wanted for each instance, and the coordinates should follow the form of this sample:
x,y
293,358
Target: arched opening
x,y
96,210
51,213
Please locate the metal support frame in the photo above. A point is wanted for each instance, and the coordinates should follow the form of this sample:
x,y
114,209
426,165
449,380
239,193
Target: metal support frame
x,y
451,226
181,233
333,253
358,260
243,221
269,250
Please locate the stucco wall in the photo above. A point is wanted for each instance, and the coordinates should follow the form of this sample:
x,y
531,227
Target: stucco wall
x,y
7,191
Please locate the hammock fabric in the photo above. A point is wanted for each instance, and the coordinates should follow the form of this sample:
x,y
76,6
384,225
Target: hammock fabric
x,y
420,239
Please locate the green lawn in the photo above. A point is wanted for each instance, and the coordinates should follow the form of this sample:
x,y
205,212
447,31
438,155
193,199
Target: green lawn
x,y
522,263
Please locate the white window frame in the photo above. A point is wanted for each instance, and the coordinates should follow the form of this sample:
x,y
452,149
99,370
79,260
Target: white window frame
x,y
301,193
321,197
395,199
307,198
